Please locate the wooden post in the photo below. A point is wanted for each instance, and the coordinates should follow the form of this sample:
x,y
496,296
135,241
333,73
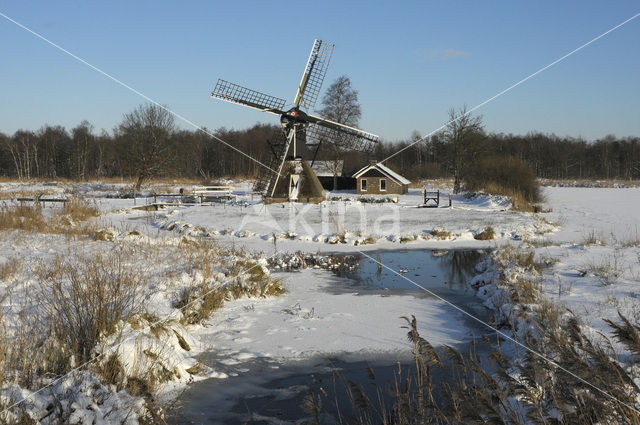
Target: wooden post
x,y
450,199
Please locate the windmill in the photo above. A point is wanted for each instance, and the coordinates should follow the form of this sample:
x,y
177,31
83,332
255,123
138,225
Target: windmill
x,y
287,175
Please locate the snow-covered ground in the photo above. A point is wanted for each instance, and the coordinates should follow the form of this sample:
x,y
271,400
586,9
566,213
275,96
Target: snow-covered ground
x,y
589,239
595,254
336,225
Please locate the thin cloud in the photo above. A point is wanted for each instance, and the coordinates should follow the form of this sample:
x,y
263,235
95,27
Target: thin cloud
x,y
441,54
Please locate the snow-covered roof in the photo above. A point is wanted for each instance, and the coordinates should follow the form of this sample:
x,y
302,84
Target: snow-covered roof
x,y
384,170
326,168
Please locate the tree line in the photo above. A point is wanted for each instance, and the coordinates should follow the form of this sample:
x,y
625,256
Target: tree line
x,y
147,143
550,156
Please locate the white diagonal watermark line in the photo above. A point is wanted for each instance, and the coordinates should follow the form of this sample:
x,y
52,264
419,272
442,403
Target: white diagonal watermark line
x,y
128,87
115,348
494,329
492,98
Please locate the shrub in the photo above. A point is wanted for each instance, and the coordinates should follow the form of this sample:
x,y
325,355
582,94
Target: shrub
x,y
199,303
487,234
522,257
84,299
441,233
369,240
506,176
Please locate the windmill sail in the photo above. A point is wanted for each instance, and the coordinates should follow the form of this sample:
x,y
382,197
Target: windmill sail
x,y
234,93
342,128
313,75
288,175
358,140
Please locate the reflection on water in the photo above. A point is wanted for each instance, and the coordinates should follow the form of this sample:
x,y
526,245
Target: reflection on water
x,y
459,265
434,270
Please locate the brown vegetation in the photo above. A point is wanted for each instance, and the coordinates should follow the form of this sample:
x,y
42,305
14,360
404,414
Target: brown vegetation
x,y
22,217
29,217
505,176
9,268
440,233
82,299
563,376
487,234
78,209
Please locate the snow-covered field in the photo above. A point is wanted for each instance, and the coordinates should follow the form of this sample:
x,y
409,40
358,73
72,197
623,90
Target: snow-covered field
x,y
595,254
589,242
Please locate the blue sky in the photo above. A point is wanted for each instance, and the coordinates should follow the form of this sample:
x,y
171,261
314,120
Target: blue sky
x,y
410,62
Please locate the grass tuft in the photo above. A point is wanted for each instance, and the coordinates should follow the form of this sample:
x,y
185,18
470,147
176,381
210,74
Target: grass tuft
x,y
440,233
9,268
80,209
487,234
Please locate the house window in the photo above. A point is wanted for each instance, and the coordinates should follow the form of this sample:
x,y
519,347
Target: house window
x,y
363,185
383,184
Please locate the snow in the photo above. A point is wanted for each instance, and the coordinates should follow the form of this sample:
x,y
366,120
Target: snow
x,y
310,320
595,255
385,170
589,239
313,228
611,214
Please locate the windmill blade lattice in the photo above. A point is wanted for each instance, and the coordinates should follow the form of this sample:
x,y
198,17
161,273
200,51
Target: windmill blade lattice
x,y
235,93
313,75
343,128
346,141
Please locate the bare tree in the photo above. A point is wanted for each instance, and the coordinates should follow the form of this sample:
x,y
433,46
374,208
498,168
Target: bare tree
x,y
82,138
23,149
340,104
147,132
464,135
54,151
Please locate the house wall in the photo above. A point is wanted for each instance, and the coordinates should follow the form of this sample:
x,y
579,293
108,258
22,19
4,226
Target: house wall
x,y
373,186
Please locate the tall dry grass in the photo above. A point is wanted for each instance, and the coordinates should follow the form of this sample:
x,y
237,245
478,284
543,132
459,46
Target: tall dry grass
x,y
505,176
448,386
10,268
31,218
26,218
243,276
78,300
84,299
574,380
80,209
